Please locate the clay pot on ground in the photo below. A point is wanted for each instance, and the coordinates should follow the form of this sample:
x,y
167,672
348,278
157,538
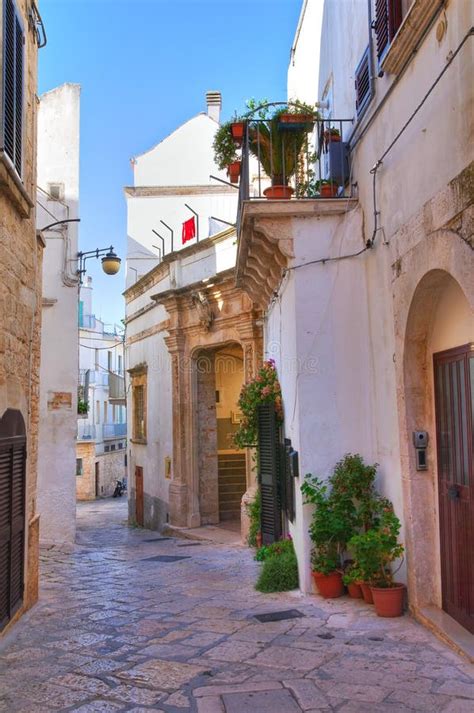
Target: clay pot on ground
x,y
329,190
278,192
388,601
258,539
233,171
366,593
355,590
329,586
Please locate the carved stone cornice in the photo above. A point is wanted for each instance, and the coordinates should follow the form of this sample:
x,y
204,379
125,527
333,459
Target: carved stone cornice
x,y
266,241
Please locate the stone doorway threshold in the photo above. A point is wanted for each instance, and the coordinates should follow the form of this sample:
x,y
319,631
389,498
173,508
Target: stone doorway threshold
x,y
448,630
226,533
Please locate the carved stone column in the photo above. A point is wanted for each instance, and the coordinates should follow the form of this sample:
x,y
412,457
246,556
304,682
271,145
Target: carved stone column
x,y
178,491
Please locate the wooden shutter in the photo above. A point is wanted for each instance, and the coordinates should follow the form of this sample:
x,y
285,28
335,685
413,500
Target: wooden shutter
x,y
287,481
12,525
268,472
388,18
13,85
363,84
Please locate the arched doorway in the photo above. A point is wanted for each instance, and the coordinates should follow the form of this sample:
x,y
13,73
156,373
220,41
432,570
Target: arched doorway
x,y
12,513
438,390
222,479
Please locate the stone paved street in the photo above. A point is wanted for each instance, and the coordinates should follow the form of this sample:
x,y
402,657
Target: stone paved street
x,y
117,630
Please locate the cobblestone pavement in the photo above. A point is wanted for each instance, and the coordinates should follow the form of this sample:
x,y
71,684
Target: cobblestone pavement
x,y
118,630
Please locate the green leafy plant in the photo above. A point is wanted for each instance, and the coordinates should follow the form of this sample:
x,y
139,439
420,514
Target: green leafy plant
x,y
82,407
225,151
265,388
376,549
352,480
352,574
333,523
274,550
254,512
279,571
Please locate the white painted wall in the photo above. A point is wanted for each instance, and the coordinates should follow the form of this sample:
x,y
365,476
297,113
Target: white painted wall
x,y
184,160
331,331
58,163
304,56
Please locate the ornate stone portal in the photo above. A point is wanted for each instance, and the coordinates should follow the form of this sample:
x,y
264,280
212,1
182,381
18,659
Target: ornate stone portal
x,y
207,317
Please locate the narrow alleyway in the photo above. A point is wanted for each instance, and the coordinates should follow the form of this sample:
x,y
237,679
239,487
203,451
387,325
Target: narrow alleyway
x,y
125,624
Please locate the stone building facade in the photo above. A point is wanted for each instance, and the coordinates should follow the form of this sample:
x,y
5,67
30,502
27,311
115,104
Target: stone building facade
x,y
21,249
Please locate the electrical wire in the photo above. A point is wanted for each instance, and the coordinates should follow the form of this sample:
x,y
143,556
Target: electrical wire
x,y
370,243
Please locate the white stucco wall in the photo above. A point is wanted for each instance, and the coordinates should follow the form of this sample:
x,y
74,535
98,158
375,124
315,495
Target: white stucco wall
x,y
304,56
58,163
341,314
184,160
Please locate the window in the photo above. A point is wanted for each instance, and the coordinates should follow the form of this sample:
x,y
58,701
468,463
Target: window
x,y
97,358
107,449
112,447
97,411
388,18
120,364
109,361
56,191
106,411
79,467
363,83
13,96
139,432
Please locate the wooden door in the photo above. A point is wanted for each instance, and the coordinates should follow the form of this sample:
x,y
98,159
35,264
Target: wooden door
x,y
139,495
97,479
12,513
454,402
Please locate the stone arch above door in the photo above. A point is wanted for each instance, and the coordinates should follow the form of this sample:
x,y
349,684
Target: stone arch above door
x,y
421,327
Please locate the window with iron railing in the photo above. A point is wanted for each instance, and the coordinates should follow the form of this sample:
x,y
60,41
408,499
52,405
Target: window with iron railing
x,y
12,61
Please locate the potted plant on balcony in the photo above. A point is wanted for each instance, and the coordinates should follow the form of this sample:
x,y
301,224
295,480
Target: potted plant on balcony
x,y
298,116
82,408
375,551
331,136
327,188
277,150
225,152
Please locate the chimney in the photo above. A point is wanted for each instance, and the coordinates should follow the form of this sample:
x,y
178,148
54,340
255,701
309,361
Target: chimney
x,y
214,104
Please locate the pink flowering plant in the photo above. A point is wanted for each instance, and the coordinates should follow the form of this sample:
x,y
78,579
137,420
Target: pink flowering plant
x,y
264,389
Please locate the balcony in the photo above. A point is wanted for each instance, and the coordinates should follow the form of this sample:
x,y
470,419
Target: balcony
x,y
114,430
294,165
116,388
93,377
86,431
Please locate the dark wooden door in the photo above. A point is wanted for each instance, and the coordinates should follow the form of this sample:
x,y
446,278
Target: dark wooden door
x,y
97,479
269,451
139,495
454,402
12,513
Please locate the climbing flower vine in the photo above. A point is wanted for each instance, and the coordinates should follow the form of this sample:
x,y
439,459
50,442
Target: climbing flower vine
x,y
265,388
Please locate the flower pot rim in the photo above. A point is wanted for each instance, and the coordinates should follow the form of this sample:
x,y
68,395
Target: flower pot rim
x,y
396,585
321,574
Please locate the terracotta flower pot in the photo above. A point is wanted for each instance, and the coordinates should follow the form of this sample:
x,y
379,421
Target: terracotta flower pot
x,y
354,590
293,122
366,593
278,192
331,138
258,539
329,190
389,600
237,131
233,171
329,586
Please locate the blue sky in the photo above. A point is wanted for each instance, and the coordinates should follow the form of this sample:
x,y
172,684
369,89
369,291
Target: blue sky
x,y
144,67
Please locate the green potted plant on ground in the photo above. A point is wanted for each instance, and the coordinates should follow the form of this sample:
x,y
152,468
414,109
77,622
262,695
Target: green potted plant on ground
x,y
375,552
225,152
332,525
352,578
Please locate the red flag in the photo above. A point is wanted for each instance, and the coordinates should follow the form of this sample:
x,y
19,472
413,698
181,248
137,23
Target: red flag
x,y
189,230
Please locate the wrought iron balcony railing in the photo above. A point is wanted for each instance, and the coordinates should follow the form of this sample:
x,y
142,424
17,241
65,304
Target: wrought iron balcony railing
x,y
295,156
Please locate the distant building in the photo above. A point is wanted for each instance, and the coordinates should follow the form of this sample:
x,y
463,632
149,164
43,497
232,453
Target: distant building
x,y
102,420
193,338
58,199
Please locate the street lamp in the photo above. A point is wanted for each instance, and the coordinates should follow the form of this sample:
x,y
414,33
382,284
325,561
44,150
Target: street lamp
x,y
110,261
